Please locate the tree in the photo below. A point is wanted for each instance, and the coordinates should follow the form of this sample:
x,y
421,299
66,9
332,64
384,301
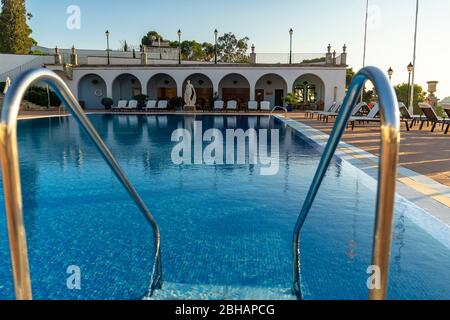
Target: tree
x,y
150,37
349,76
402,91
208,49
124,46
232,49
15,33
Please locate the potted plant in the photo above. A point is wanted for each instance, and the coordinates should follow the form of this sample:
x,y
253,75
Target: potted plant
x,y
291,100
142,100
176,103
107,103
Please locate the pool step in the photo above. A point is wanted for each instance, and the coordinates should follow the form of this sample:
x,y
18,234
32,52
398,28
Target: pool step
x,y
177,291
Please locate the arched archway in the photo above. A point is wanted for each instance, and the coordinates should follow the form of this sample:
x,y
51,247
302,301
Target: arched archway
x,y
204,89
162,87
125,87
310,89
235,87
91,91
271,87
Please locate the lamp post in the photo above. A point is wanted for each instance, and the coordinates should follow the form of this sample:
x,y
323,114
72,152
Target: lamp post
x,y
216,33
410,69
291,33
411,99
179,46
107,46
390,73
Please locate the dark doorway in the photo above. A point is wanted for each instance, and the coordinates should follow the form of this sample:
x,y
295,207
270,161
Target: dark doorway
x,y
279,96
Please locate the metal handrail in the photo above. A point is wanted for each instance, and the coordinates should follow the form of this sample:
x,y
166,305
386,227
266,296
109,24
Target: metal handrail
x,y
390,142
11,176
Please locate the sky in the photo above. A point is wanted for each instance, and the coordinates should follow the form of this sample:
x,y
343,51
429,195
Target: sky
x,y
266,22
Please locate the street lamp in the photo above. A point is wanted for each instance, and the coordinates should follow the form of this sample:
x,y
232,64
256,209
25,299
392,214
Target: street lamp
x,y
390,73
216,33
107,46
410,69
179,46
291,32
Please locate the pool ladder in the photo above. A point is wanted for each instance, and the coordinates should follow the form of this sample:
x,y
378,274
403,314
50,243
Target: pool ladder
x,y
11,176
390,143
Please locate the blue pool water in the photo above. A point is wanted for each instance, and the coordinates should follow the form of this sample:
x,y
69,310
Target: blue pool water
x,y
221,225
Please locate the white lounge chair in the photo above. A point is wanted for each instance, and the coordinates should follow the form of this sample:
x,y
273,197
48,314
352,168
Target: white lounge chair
x,y
357,109
162,104
265,106
232,105
371,117
311,113
218,105
120,106
132,105
252,105
151,105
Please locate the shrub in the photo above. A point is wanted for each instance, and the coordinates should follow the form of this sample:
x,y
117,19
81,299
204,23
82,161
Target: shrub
x,y
176,103
39,96
141,98
107,103
291,99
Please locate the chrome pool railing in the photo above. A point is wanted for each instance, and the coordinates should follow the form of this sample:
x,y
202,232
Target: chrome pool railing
x,y
390,143
11,176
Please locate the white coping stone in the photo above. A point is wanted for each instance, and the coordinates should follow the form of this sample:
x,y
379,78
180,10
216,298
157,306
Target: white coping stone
x,y
429,214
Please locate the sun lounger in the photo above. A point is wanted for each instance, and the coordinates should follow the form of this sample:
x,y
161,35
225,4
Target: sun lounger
x,y
311,113
371,117
232,105
265,106
120,106
162,104
356,110
132,105
252,106
430,116
151,105
333,110
218,105
446,107
406,116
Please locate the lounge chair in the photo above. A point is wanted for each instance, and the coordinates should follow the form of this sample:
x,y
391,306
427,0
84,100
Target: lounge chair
x,y
120,106
356,110
162,104
151,105
132,105
311,113
232,105
406,116
371,117
218,105
253,106
332,111
446,107
430,116
265,106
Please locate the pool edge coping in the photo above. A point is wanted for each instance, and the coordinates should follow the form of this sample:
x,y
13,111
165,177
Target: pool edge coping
x,y
412,186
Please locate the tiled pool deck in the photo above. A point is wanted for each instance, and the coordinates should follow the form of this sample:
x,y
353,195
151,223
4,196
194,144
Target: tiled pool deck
x,y
424,173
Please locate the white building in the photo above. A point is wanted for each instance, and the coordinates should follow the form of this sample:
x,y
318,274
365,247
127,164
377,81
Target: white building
x,y
319,83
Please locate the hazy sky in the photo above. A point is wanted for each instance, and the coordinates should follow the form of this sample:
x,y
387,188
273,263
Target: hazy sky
x,y
266,22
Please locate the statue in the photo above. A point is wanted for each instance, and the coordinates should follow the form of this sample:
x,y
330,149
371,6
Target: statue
x,y
190,97
7,85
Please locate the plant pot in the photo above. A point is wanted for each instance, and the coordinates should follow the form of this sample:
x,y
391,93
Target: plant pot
x,y
290,108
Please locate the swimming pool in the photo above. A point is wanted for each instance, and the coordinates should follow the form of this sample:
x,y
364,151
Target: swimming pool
x,y
223,226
